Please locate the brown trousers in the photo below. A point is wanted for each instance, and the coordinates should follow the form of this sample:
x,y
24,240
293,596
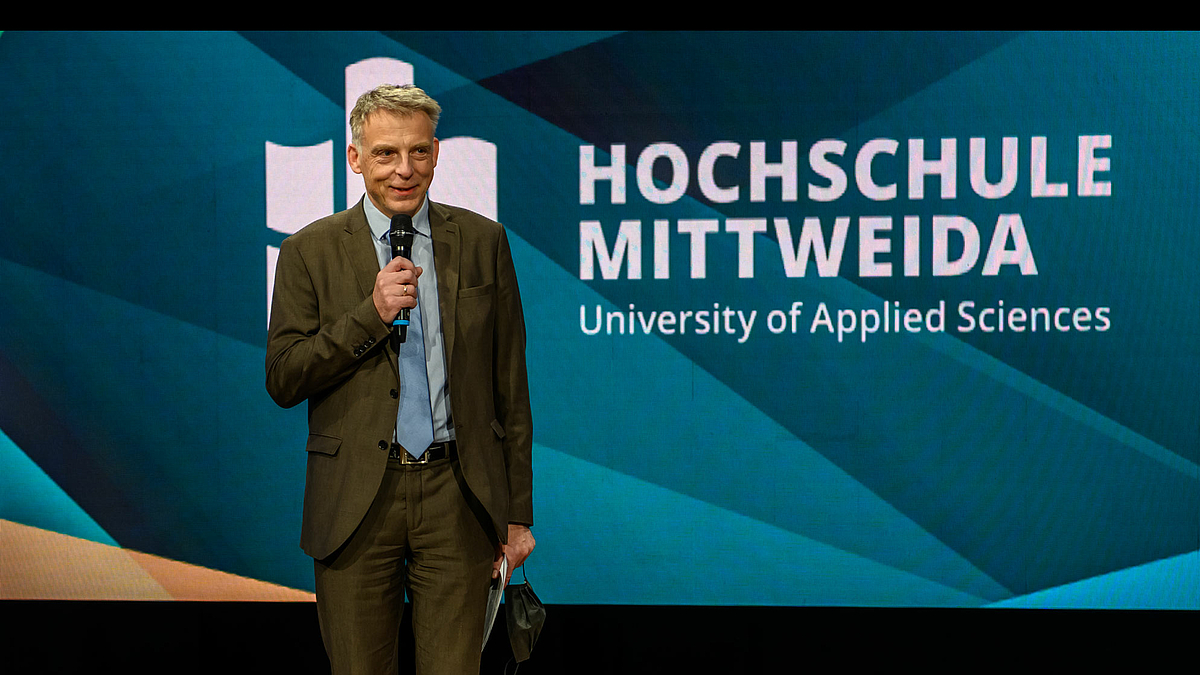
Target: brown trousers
x,y
419,533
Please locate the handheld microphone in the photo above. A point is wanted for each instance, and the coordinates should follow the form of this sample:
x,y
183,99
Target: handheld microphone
x,y
400,235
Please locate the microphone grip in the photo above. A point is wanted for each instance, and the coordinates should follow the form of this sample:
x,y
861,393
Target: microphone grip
x,y
401,320
401,235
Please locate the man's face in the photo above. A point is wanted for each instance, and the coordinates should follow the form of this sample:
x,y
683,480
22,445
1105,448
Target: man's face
x,y
396,160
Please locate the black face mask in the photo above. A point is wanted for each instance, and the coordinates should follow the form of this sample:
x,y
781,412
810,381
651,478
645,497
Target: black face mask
x,y
525,615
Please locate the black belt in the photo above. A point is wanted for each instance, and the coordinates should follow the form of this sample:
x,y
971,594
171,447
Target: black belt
x,y
433,453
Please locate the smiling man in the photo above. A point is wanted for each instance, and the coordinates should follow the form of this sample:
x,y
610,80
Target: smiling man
x,y
419,451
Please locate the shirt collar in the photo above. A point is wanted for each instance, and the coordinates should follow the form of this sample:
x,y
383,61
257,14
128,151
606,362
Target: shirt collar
x,y
380,224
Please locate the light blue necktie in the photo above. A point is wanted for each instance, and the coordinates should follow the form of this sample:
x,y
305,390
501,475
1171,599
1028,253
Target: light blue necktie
x,y
414,419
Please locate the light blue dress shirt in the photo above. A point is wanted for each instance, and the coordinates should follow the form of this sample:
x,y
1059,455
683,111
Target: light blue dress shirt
x,y
431,313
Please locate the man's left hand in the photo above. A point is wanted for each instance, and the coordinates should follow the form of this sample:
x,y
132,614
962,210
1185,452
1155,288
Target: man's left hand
x,y
520,545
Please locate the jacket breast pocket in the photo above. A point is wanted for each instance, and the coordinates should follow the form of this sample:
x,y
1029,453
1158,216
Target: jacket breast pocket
x,y
475,291
475,315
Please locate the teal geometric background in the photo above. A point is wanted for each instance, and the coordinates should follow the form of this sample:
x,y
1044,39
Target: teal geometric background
x,y
1048,469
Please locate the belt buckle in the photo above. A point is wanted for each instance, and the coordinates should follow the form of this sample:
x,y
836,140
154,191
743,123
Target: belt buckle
x,y
407,458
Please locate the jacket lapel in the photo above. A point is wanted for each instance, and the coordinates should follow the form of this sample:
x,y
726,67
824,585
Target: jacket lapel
x,y
447,256
359,245
360,249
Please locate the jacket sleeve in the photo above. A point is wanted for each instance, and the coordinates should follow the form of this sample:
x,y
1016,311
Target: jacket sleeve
x,y
512,388
308,353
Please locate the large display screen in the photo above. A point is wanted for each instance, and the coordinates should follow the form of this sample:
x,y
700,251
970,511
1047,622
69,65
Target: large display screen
x,y
886,319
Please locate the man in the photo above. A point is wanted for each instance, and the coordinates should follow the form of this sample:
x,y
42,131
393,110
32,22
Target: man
x,y
419,467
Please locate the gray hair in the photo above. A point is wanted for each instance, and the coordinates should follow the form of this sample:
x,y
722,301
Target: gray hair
x,y
401,100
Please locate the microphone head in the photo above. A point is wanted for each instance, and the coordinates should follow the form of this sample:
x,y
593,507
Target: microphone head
x,y
401,224
400,234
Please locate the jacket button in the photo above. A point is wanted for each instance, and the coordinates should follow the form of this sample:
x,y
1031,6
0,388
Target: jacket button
x,y
383,445
394,394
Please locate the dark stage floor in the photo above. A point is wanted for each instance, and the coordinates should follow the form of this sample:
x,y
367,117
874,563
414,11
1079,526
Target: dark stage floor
x,y
174,637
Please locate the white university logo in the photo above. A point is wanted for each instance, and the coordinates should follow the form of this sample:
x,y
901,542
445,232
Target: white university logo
x,y
300,179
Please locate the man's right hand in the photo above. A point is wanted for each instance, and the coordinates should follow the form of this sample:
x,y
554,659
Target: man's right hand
x,y
395,288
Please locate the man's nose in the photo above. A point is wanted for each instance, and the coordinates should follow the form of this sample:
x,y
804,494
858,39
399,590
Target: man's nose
x,y
404,167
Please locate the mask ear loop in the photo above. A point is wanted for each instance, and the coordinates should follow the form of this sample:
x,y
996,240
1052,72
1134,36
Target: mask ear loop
x,y
513,659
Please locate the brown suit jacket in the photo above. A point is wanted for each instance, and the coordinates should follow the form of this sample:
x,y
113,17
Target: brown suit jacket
x,y
327,345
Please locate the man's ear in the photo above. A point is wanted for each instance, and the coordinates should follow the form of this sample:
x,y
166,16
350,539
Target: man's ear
x,y
352,157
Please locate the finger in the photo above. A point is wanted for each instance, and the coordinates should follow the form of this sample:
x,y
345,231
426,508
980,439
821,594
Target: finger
x,y
397,263
400,293
401,278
